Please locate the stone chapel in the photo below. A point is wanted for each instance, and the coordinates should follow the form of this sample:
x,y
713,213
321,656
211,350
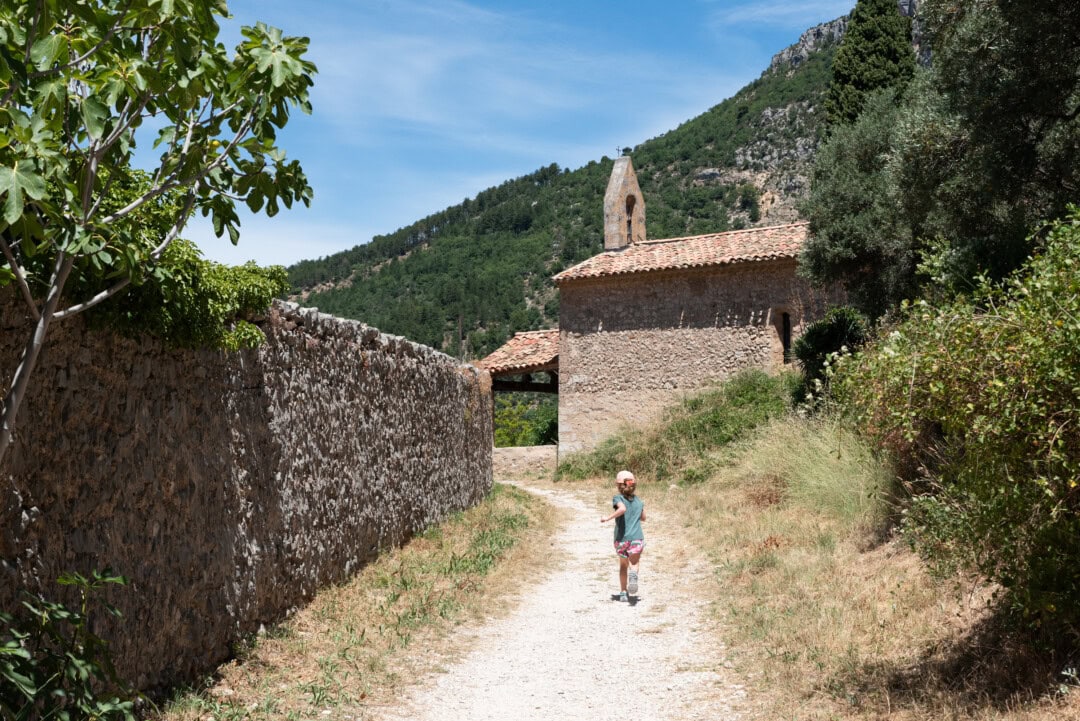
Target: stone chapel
x,y
646,322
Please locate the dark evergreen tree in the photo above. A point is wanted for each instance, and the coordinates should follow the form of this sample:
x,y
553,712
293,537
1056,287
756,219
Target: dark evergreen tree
x,y
857,233
990,146
875,53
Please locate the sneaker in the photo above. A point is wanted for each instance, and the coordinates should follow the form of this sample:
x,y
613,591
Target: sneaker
x,y
632,585
623,596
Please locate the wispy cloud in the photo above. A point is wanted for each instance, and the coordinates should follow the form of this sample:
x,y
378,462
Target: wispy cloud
x,y
421,103
780,13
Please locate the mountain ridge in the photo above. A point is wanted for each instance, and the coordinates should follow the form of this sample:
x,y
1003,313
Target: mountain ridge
x,y
465,278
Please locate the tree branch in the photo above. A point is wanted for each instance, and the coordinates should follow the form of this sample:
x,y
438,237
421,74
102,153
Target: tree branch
x,y
178,225
14,398
175,182
92,160
23,285
154,255
75,62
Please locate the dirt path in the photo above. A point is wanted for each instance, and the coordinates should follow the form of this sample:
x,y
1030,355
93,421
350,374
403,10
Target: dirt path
x,y
569,651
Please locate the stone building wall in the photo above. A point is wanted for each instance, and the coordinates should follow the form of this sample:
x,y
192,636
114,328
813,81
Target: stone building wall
x,y
632,345
228,487
516,463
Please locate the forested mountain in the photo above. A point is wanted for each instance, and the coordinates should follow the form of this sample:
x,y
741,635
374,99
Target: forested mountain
x,y
464,279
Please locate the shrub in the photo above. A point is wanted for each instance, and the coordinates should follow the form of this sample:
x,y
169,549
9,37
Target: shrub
x,y
681,444
524,421
53,666
978,400
196,303
842,327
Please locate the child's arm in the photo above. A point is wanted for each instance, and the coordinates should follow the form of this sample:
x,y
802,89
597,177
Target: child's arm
x,y
619,510
643,511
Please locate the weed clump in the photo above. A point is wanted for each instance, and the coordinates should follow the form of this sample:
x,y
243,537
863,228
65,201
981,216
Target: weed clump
x,y
977,401
682,447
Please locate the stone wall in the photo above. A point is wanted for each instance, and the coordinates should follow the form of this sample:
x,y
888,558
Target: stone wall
x,y
228,487
517,463
629,346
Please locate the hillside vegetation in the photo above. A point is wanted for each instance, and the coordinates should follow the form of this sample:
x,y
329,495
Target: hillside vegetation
x,y
464,279
947,205
820,599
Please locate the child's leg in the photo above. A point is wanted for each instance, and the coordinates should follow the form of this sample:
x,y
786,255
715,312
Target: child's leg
x,y
623,564
632,562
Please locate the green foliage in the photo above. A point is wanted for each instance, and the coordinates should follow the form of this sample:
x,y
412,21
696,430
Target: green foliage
x,y
524,421
80,78
144,229
875,54
978,401
857,233
985,144
53,666
841,328
196,303
682,445
464,279
989,145
78,82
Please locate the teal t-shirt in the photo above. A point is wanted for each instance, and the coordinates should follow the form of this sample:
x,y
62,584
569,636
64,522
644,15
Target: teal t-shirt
x,y
628,525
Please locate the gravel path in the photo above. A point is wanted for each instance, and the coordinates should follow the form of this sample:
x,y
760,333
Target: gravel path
x,y
569,651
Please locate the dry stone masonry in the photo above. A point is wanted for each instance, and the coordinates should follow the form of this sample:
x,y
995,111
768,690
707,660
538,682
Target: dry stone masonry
x,y
646,322
228,487
632,345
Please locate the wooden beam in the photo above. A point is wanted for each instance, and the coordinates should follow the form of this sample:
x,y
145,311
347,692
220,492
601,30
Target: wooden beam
x,y
524,387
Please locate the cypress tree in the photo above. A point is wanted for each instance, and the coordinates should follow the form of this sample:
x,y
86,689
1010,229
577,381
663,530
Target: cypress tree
x,y
875,53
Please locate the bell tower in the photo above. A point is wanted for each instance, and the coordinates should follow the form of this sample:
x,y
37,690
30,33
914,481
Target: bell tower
x,y
624,207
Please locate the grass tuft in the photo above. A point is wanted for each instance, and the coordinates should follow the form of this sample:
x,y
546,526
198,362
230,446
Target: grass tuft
x,y
828,614
349,648
681,447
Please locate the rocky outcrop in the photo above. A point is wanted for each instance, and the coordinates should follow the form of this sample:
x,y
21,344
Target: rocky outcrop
x,y
779,159
833,32
811,41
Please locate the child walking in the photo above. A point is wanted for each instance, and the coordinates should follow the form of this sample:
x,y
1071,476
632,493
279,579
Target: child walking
x,y
629,540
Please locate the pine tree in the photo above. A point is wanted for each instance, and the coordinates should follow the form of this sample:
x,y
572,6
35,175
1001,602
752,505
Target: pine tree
x,y
876,53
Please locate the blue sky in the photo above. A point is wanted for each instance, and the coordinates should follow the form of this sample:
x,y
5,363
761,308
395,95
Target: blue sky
x,y
419,104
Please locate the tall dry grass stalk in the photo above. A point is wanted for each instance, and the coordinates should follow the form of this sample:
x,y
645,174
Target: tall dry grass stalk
x,y
827,614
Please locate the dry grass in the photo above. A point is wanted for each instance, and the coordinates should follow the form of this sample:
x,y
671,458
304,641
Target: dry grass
x,y
355,646
826,614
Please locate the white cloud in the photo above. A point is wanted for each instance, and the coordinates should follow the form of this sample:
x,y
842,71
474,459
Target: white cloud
x,y
781,13
470,87
421,103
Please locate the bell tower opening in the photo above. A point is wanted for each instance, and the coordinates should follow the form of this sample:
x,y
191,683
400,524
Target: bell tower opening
x,y
624,207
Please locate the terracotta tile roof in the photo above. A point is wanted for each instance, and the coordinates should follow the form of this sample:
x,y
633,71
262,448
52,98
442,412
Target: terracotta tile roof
x,y
526,352
699,251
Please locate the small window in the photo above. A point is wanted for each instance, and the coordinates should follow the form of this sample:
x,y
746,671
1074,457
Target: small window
x,y
630,201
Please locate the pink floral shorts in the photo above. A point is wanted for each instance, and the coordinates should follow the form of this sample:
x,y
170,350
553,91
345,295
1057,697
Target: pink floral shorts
x,y
625,549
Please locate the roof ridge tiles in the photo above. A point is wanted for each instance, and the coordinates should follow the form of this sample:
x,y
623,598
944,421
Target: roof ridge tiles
x,y
735,231
694,251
